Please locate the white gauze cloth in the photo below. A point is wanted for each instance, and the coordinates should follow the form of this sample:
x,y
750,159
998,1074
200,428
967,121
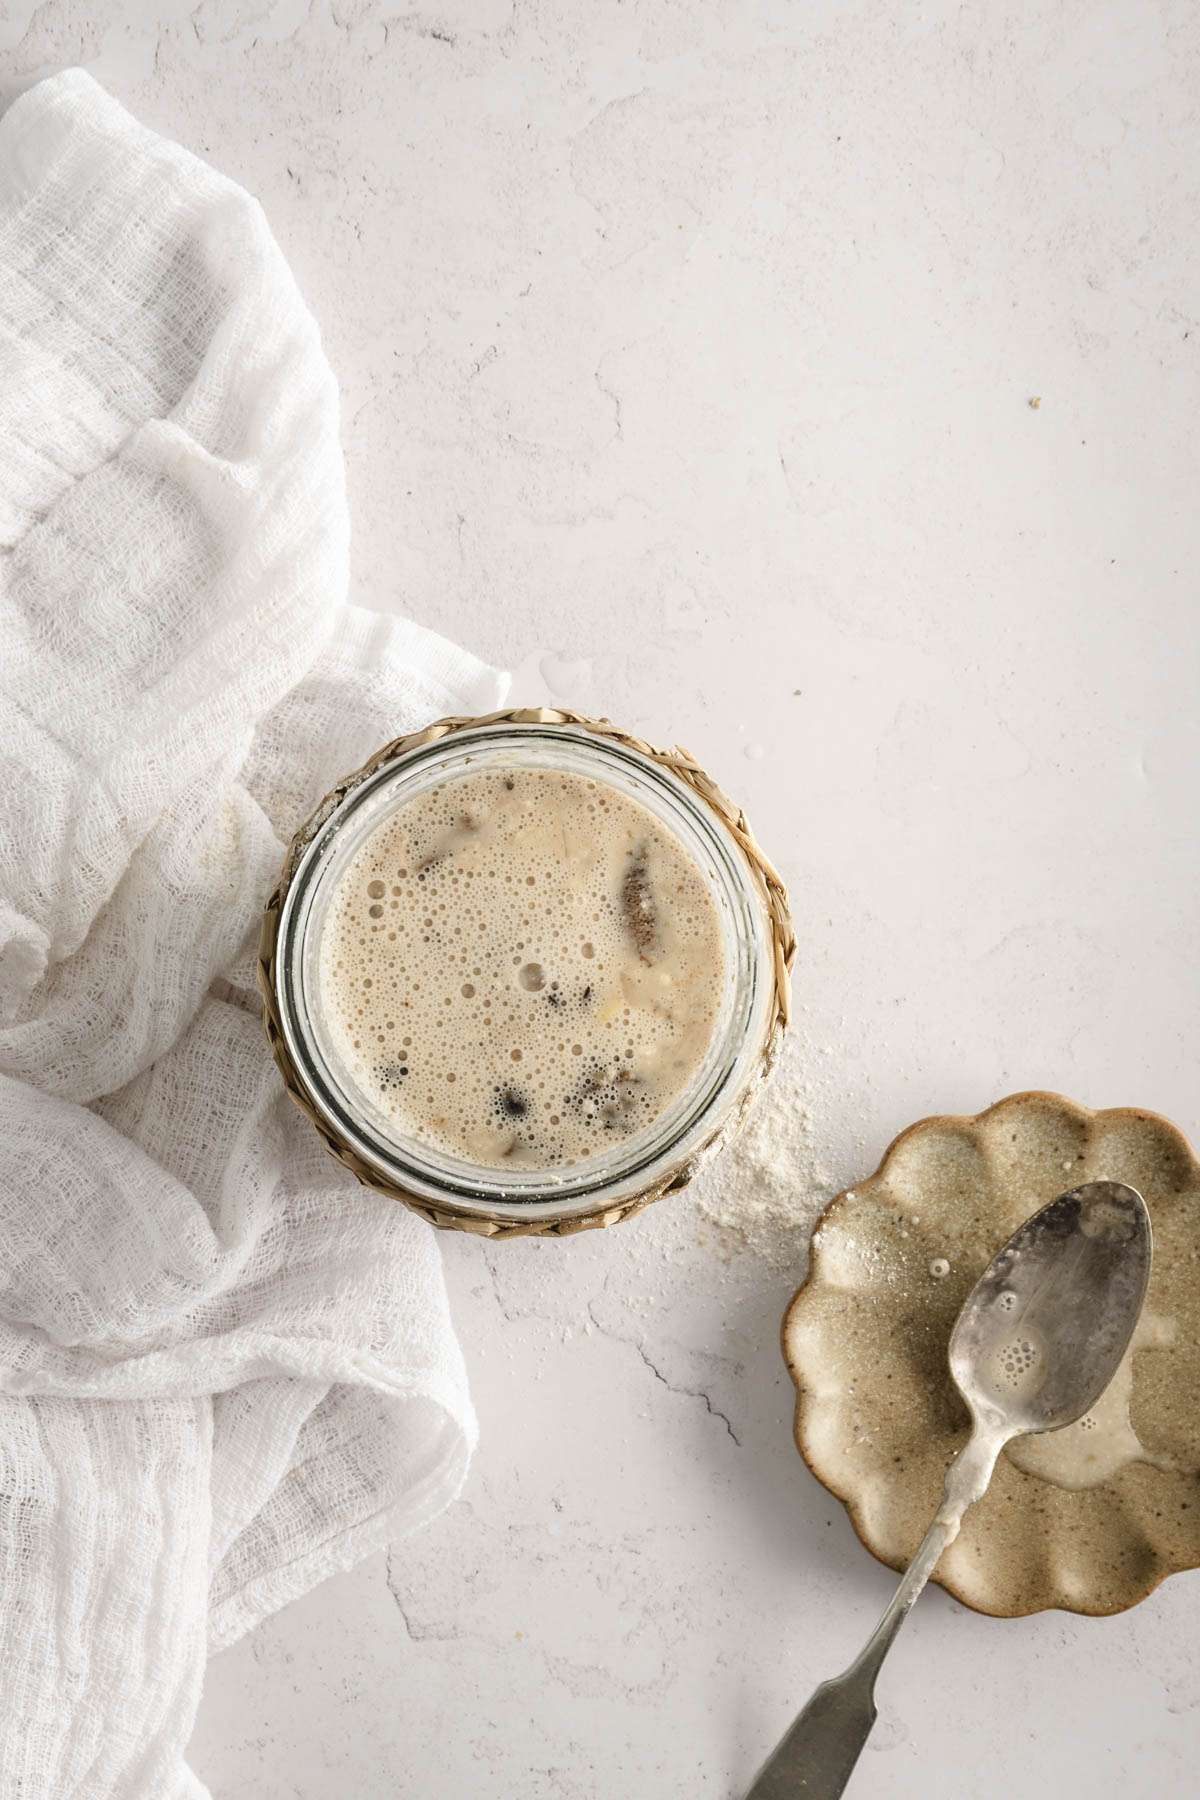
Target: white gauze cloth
x,y
225,1369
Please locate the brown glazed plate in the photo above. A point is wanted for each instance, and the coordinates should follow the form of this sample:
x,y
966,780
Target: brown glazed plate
x,y
878,1419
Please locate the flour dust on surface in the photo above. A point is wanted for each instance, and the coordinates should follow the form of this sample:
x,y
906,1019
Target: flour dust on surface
x,y
766,1191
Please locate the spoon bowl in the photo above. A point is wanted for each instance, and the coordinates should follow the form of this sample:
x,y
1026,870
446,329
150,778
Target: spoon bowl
x,y
1041,1333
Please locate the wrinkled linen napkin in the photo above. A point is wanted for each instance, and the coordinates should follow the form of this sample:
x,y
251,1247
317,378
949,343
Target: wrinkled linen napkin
x,y
225,1369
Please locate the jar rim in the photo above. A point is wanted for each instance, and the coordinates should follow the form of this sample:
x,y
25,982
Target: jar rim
x,y
622,1177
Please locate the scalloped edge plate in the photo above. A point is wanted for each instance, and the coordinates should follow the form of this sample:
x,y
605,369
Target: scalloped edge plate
x,y
870,1312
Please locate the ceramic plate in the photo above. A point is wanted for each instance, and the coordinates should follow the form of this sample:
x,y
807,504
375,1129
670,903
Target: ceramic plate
x,y
1091,1518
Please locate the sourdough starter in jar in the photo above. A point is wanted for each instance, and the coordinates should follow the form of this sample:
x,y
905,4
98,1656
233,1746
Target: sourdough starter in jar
x,y
521,967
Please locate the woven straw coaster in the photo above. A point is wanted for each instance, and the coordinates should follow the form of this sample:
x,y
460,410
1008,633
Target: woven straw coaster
x,y
444,1213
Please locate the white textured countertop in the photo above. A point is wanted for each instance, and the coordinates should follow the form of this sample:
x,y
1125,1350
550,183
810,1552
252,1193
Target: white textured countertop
x,y
688,353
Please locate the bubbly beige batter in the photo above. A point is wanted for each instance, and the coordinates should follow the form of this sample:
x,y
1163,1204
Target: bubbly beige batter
x,y
521,968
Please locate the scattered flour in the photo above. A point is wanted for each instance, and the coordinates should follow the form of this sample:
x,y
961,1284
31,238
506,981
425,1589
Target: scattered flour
x,y
765,1192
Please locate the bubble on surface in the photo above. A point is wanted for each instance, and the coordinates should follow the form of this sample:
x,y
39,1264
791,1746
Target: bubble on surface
x,y
1018,1367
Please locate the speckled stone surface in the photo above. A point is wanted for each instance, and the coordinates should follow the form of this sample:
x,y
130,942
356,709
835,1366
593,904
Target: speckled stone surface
x,y
688,354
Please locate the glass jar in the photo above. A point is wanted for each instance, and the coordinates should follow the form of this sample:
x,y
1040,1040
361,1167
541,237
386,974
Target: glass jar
x,y
758,948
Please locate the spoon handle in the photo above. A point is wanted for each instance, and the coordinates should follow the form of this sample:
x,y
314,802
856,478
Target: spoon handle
x,y
817,1753
815,1758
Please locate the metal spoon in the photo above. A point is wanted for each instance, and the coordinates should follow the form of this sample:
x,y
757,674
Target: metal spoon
x,y
1035,1345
